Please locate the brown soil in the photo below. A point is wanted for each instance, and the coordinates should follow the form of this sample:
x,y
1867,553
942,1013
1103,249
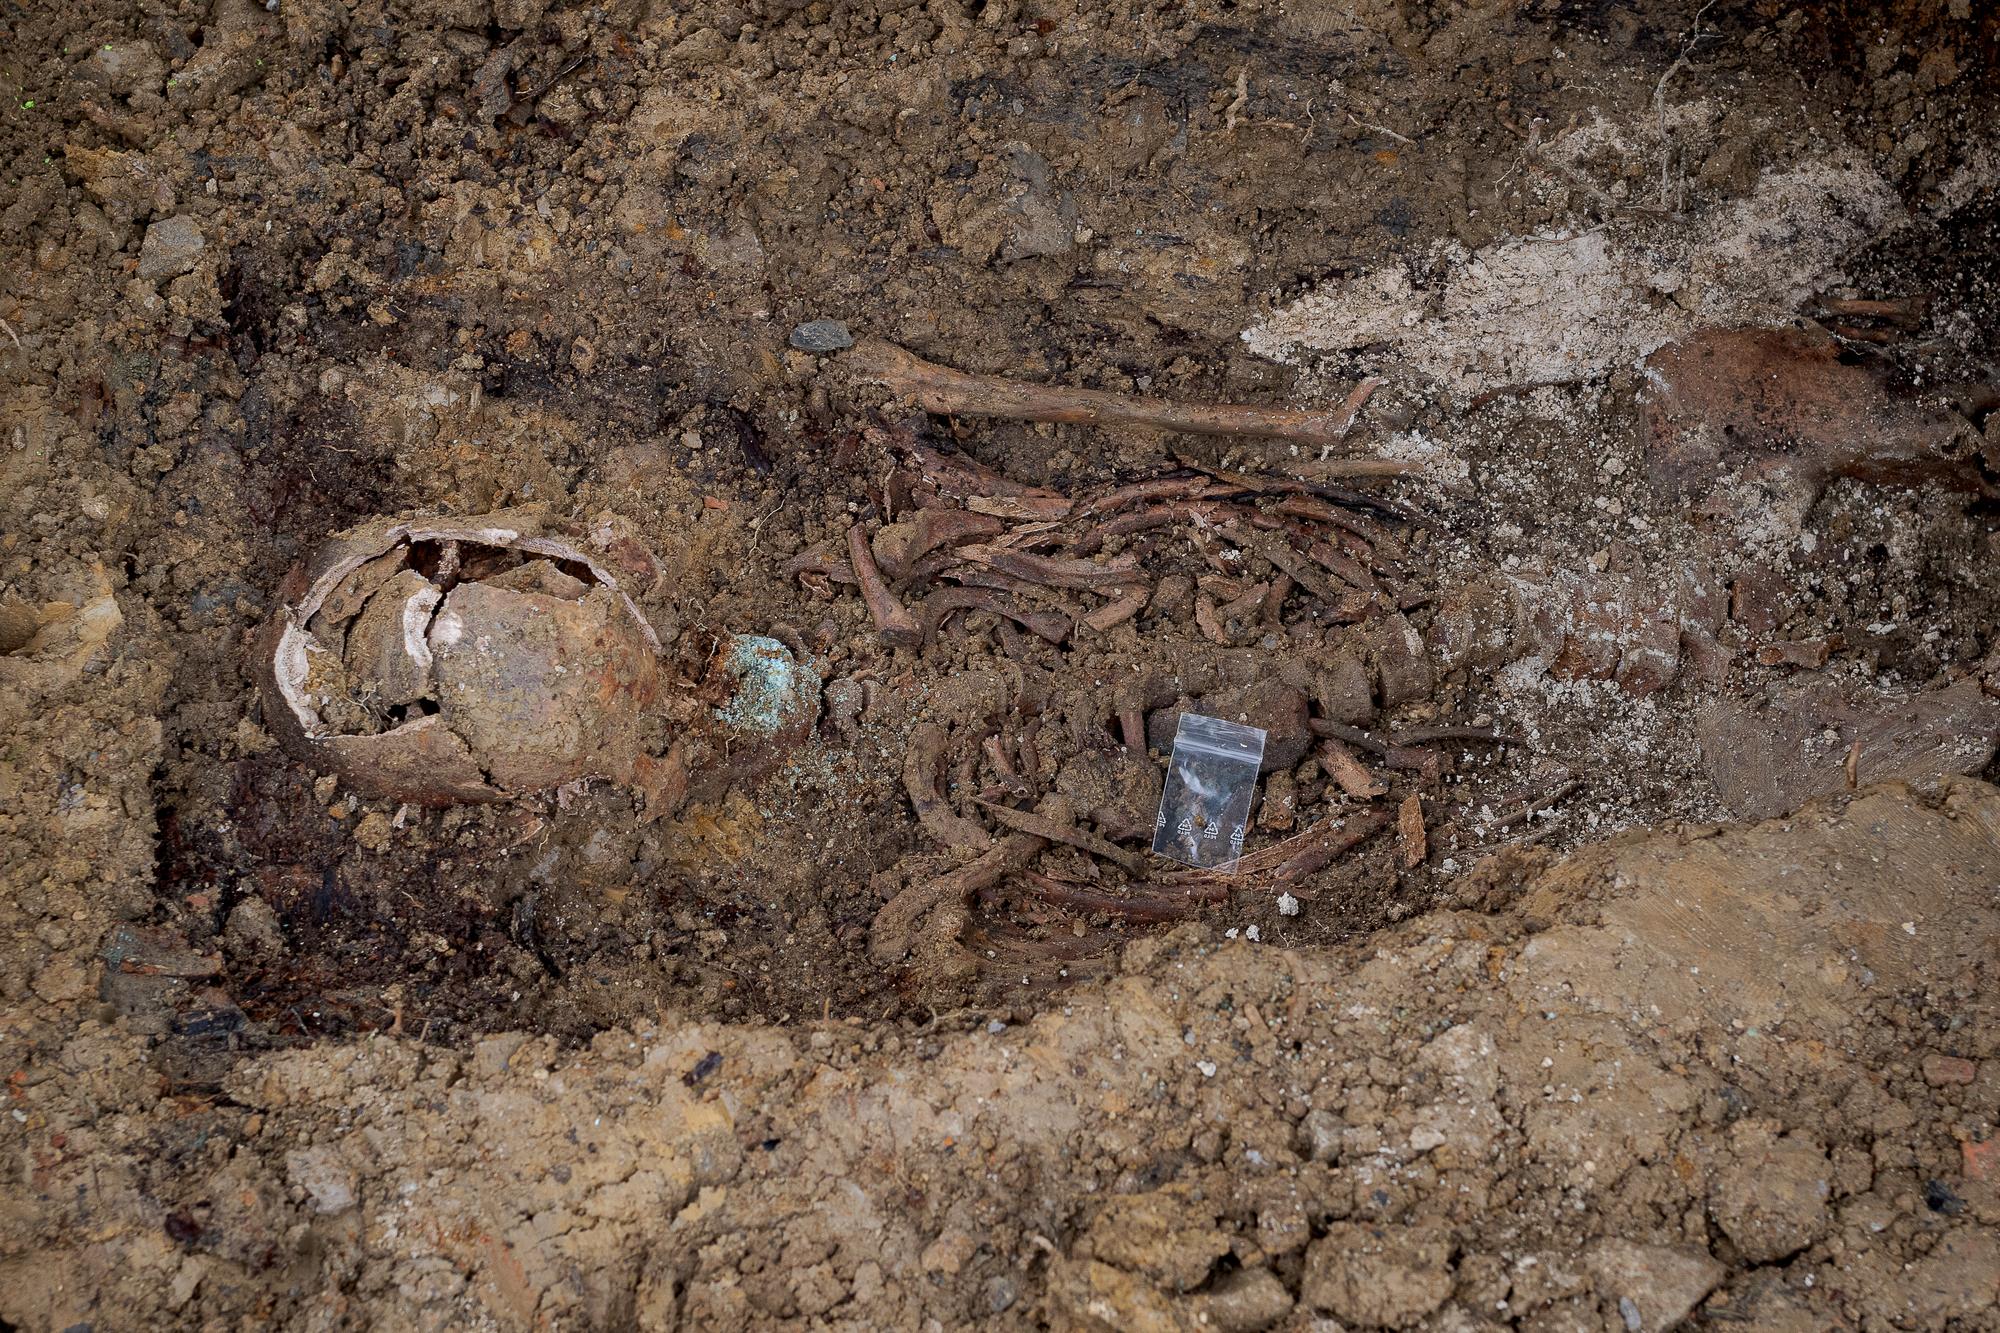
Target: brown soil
x,y
276,1051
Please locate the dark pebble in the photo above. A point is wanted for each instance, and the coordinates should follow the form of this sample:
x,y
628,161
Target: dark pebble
x,y
822,335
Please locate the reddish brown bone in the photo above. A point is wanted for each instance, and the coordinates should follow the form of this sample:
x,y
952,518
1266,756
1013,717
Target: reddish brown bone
x,y
893,932
955,393
920,780
1121,609
1051,625
901,546
1025,821
1053,571
1137,907
894,624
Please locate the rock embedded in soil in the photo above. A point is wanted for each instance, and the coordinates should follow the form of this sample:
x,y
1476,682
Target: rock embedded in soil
x,y
252,933
1785,402
1279,710
1246,1301
1091,1295
1945,1070
173,246
821,335
1771,1199
1402,666
1378,1276
1769,758
329,1184
1320,1135
1659,1285
1344,692
1118,791
1164,1236
126,67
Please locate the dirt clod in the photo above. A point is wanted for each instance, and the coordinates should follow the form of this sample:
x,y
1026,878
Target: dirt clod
x,y
1378,1275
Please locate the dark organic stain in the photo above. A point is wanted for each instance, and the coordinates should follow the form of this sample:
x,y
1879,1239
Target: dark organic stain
x,y
705,1066
1939,1199
1396,217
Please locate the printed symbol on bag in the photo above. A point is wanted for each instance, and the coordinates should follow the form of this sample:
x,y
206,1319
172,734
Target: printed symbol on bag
x,y
1210,787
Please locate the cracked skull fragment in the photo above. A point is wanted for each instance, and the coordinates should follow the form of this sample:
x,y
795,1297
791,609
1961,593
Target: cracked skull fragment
x,y
475,659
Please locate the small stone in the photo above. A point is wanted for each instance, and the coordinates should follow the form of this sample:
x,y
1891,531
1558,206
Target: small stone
x,y
1941,1070
1173,598
1319,1135
844,701
126,67
1400,663
1275,708
1279,809
948,1253
821,335
1039,219
705,46
1756,601
1378,1276
373,831
1657,1286
252,932
489,83
1982,1160
1941,1198
1426,1137
1771,1200
172,247
1651,660
1345,692
156,951
1001,1293
1246,1301
326,1182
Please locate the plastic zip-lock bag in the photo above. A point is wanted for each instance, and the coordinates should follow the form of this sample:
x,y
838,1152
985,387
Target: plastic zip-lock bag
x,y
1205,806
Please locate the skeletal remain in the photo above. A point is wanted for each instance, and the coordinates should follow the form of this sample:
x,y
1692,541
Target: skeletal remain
x,y
950,392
